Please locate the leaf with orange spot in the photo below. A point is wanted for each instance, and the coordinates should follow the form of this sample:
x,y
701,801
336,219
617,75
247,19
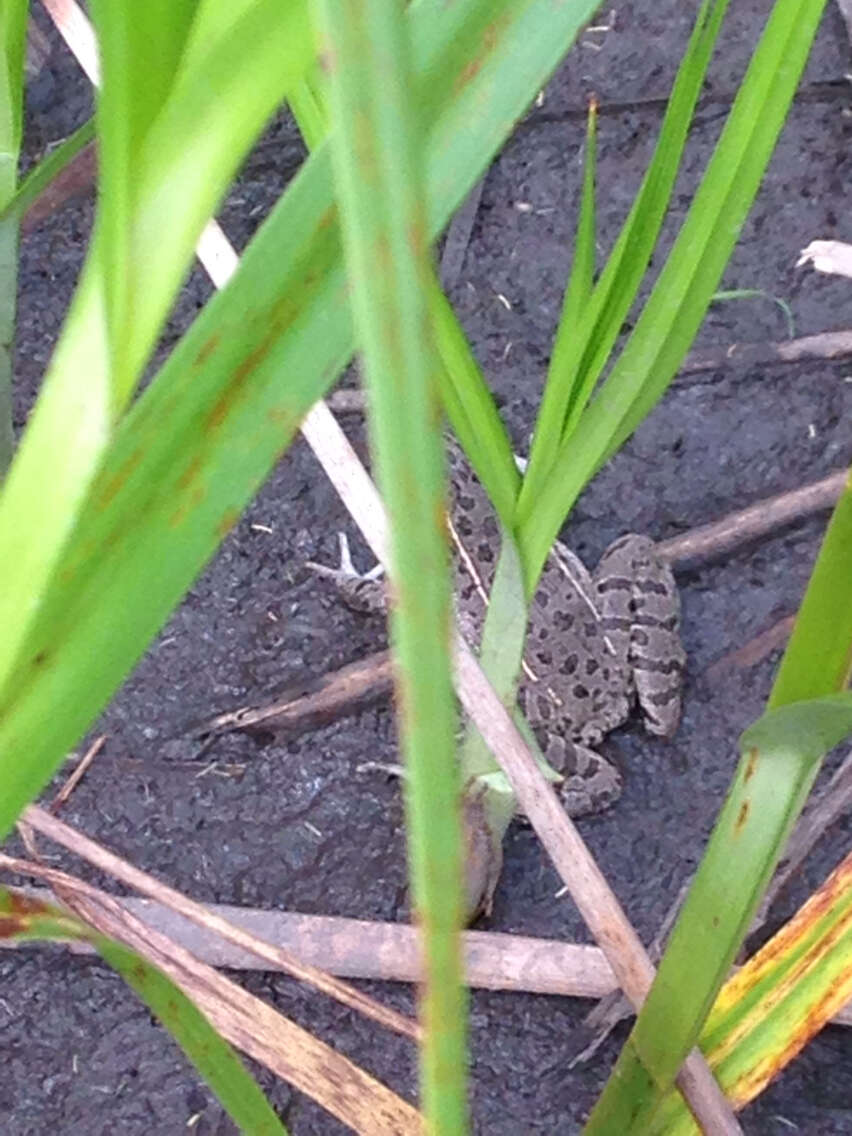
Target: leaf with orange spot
x,y
771,1008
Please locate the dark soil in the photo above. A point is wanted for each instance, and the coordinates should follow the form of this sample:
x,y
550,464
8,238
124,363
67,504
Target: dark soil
x,y
299,828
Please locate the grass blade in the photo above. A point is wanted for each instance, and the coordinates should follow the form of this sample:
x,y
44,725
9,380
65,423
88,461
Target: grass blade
x,y
40,177
766,1014
618,286
181,168
308,104
23,918
470,408
759,294
680,298
780,758
13,27
378,142
562,373
466,398
139,53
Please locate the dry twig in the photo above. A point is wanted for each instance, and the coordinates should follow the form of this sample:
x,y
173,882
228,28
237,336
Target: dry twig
x,y
340,1086
388,952
310,705
753,651
140,881
699,545
78,773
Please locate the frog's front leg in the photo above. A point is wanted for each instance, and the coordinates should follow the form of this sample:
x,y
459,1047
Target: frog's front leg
x,y
640,615
365,592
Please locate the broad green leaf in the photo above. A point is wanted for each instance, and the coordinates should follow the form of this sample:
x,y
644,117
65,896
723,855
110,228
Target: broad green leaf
x,y
808,712
139,48
23,918
185,163
378,144
768,1011
232,395
182,164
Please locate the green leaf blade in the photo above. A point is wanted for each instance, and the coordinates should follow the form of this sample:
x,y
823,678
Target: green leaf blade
x,y
163,499
563,372
781,756
683,291
377,145
23,918
107,338
617,288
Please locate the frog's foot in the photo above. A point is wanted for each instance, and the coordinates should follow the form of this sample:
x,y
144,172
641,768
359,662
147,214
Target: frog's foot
x,y
365,592
591,784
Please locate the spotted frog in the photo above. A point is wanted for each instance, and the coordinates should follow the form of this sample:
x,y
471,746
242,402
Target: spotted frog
x,y
597,643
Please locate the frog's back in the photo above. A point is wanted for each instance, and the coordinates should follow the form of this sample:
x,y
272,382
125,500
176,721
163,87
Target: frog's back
x,y
580,685
574,684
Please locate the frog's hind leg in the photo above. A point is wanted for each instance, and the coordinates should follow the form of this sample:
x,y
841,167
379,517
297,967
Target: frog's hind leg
x,y
639,599
591,784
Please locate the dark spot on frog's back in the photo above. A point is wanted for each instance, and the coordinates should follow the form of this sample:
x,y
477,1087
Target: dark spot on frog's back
x,y
544,708
563,620
542,599
615,584
580,691
652,587
569,664
485,553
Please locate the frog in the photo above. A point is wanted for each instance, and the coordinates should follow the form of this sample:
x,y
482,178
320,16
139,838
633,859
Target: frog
x,y
598,643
